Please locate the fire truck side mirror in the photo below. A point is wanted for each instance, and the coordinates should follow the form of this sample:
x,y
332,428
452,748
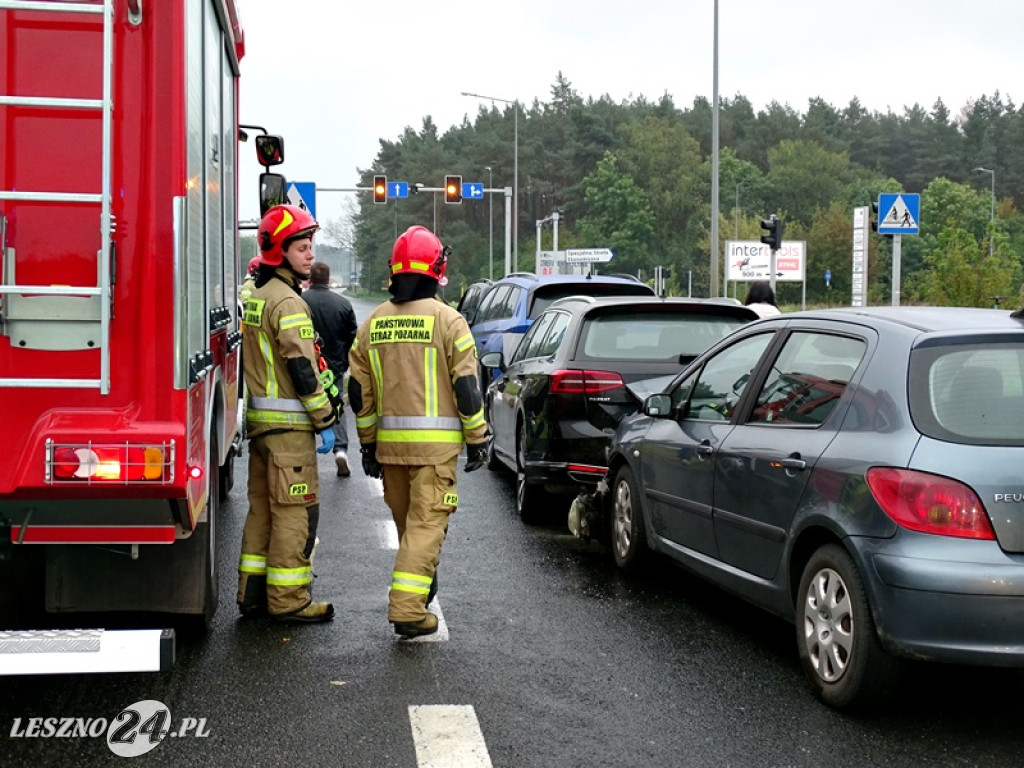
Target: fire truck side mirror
x,y
273,191
269,150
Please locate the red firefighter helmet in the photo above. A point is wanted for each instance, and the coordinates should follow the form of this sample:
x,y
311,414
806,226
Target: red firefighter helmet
x,y
280,223
254,265
417,251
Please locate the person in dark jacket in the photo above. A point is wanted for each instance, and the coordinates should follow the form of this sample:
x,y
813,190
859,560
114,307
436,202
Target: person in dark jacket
x,y
335,322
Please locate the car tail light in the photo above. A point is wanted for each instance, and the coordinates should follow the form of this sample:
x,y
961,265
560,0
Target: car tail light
x,y
567,382
930,503
109,462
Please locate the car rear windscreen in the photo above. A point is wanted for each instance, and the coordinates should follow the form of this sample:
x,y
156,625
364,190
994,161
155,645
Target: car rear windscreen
x,y
660,335
545,295
969,393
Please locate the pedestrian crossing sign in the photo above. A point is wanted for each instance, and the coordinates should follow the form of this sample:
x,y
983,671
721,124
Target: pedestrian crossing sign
x,y
899,214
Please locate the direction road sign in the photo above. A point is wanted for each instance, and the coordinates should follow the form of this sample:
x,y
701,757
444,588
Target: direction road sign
x,y
588,255
303,194
398,189
472,190
899,214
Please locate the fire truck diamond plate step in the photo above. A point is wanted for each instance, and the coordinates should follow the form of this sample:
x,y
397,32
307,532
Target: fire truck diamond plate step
x,y
51,652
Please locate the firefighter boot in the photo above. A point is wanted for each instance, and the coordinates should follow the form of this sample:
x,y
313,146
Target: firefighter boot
x,y
313,613
254,602
409,629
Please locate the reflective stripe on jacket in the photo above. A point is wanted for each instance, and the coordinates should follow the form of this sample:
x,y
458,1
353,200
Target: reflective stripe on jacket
x,y
279,327
406,358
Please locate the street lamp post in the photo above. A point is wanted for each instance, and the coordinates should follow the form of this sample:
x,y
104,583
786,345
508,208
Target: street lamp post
x,y
490,221
515,174
737,209
992,215
713,289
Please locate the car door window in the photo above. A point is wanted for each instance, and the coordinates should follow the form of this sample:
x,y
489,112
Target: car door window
x,y
531,341
715,390
807,378
509,302
492,303
553,335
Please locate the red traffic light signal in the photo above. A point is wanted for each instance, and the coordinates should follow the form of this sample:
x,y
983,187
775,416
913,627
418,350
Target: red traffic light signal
x,y
453,189
380,189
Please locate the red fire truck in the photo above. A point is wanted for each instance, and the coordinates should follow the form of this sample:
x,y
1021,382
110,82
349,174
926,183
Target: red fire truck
x,y
119,333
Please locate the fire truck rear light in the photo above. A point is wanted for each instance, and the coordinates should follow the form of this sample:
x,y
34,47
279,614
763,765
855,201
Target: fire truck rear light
x,y
195,472
106,463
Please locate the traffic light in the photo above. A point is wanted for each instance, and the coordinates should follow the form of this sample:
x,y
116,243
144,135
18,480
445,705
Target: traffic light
x,y
380,189
874,217
453,189
773,236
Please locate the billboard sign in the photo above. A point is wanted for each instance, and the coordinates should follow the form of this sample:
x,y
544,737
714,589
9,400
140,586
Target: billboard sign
x,y
751,260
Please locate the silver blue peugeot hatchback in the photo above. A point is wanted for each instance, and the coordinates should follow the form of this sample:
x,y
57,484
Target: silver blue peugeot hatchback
x,y
857,471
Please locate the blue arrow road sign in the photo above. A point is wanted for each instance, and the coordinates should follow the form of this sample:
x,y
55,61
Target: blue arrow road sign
x,y
303,194
899,214
398,189
472,190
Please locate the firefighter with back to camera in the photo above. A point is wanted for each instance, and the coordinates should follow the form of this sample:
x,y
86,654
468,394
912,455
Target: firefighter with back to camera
x,y
286,408
414,390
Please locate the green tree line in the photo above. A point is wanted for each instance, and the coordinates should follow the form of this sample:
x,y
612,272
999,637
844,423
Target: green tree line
x,y
636,177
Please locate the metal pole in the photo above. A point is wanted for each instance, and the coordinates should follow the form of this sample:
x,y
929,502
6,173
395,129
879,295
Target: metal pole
x,y
508,230
714,166
490,220
554,217
537,260
896,252
992,219
515,190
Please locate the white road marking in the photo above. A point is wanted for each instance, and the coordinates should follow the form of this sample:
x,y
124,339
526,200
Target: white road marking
x,y
387,534
448,737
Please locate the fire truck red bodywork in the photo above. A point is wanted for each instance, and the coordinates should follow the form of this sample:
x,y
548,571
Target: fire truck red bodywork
x,y
119,403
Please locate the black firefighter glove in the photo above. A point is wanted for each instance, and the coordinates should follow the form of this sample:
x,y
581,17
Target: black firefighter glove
x,y
371,467
476,455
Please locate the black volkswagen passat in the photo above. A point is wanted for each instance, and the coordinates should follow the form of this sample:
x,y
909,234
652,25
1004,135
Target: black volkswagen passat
x,y
584,364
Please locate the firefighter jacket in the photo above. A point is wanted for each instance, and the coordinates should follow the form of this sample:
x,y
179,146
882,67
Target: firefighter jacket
x,y
414,367
280,362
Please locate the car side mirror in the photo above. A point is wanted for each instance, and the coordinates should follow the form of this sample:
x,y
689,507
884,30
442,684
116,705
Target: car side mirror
x,y
273,191
658,405
269,150
493,360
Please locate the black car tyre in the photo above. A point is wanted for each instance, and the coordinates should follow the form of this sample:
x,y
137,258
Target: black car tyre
x,y
530,499
627,535
837,642
493,462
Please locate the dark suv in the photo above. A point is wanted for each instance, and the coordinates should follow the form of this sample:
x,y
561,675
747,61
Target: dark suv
x,y
583,365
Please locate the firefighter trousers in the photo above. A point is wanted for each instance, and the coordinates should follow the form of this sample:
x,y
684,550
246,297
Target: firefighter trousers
x,y
280,529
420,498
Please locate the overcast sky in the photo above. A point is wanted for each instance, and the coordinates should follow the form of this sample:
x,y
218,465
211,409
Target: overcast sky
x,y
335,76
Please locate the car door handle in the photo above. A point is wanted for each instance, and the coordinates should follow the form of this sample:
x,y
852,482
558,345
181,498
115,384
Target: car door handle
x,y
705,449
792,463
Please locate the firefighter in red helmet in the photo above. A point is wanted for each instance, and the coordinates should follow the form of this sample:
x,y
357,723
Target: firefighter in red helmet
x,y
286,407
415,393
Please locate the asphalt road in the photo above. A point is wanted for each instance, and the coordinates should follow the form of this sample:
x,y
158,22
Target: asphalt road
x,y
549,654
